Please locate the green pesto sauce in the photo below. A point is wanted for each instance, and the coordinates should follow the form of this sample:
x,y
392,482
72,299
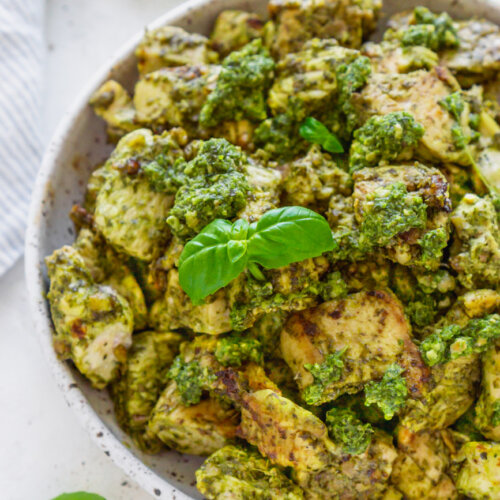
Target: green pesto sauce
x,y
240,92
191,379
391,211
453,341
348,431
279,137
495,415
383,138
350,78
214,186
235,349
330,370
390,393
432,243
433,31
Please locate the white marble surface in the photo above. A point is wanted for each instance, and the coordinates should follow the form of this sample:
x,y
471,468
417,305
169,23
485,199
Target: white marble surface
x,y
43,449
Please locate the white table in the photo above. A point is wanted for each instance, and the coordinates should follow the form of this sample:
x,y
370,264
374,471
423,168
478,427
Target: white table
x,y
43,449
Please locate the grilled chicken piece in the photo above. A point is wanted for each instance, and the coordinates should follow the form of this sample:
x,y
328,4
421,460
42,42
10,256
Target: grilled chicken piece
x,y
371,326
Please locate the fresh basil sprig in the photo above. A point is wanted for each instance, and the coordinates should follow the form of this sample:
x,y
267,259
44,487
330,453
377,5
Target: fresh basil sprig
x,y
79,495
222,250
313,130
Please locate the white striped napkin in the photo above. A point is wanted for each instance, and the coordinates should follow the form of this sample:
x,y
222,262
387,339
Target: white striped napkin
x,y
21,53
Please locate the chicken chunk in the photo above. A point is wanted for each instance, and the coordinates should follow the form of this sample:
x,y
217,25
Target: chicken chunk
x,y
199,429
352,477
420,470
475,253
477,57
286,433
370,331
173,97
235,28
137,390
238,474
422,219
308,77
171,46
114,105
175,310
93,324
108,268
487,410
479,476
297,21
419,93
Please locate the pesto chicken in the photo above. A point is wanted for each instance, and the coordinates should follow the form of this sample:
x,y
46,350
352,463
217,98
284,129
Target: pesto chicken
x,y
289,263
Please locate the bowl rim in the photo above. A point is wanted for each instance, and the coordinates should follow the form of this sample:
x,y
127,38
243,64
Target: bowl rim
x,y
61,372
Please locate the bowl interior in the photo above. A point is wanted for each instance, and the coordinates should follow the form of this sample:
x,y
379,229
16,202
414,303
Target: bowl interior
x,y
78,146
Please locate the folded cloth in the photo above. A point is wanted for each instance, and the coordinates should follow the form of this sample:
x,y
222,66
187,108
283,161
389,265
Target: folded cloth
x,y
21,55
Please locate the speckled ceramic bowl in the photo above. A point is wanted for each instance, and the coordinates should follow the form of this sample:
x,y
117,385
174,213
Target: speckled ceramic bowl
x,y
78,145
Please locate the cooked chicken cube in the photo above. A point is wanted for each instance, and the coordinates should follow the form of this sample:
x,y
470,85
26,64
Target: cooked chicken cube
x,y
114,105
420,470
352,477
174,96
479,477
309,77
239,474
487,410
297,21
419,93
475,253
404,209
235,28
365,333
137,390
175,310
286,433
108,268
171,46
477,57
198,429
93,324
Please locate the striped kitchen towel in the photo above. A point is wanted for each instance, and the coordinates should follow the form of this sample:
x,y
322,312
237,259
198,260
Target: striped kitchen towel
x,y
21,55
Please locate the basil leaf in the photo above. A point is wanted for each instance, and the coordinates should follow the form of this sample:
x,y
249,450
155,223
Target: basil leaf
x,y
286,235
79,495
314,131
211,260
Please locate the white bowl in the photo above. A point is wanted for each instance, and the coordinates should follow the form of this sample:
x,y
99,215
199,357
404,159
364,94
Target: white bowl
x,y
77,146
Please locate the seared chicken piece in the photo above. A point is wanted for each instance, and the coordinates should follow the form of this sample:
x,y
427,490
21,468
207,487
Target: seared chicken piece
x,y
352,477
420,469
371,331
297,21
479,477
235,473
285,432
235,28
477,58
309,76
114,105
173,97
199,429
390,57
108,268
475,253
175,310
93,324
137,390
171,46
426,183
487,411
419,94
